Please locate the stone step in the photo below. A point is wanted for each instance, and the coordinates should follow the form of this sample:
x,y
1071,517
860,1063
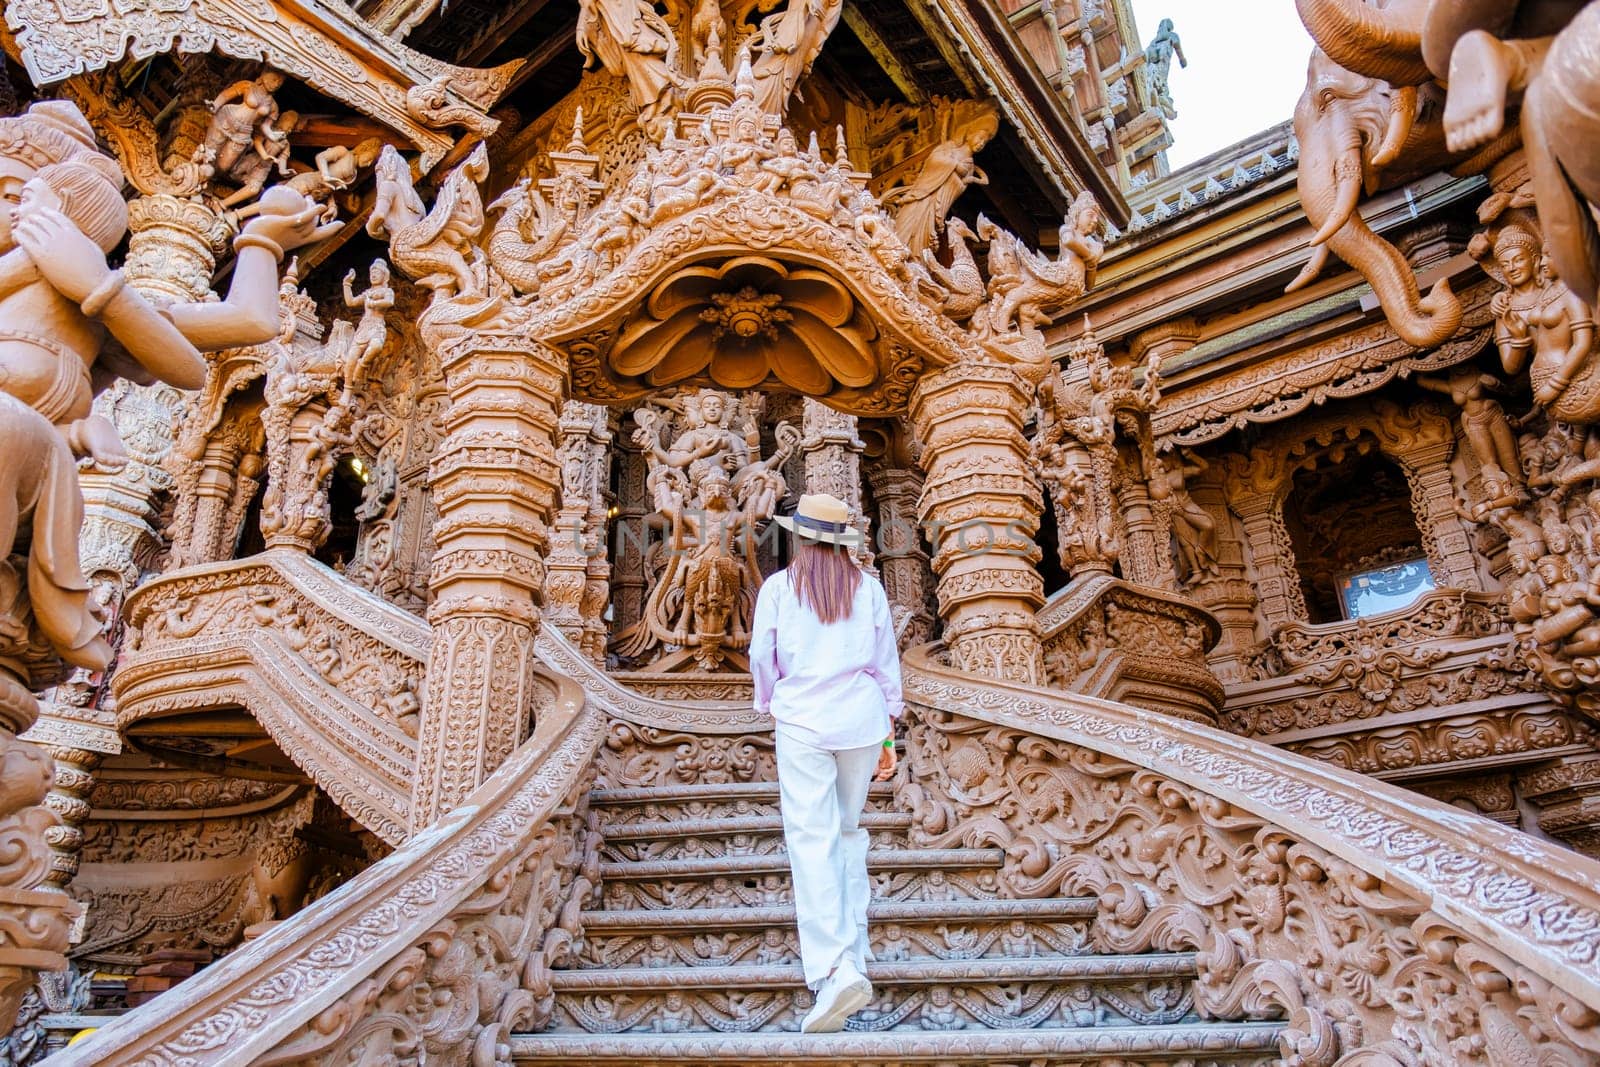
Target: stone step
x,y
1130,1046
730,836
714,800
900,930
1050,992
763,880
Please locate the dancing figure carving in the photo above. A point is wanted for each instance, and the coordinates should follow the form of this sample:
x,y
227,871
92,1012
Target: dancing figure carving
x,y
711,490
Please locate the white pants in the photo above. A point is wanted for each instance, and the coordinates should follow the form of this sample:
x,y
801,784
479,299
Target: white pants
x,y
821,796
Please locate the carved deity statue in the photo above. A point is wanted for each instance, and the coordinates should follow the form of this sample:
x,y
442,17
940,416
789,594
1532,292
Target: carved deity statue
x,y
1158,56
438,247
1537,315
1193,527
712,489
1093,447
788,43
60,303
1027,289
922,205
630,39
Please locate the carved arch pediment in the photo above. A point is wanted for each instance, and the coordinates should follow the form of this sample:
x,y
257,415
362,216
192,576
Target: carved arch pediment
x,y
751,293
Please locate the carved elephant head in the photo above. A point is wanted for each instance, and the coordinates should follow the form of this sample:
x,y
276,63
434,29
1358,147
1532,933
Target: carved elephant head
x,y
1350,127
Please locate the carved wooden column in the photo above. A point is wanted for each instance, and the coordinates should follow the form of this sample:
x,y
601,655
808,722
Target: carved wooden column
x,y
1444,536
902,561
578,536
1251,484
1146,547
981,506
831,451
628,581
597,569
494,480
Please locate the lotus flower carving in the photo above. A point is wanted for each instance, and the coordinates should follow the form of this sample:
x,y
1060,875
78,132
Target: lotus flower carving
x,y
744,320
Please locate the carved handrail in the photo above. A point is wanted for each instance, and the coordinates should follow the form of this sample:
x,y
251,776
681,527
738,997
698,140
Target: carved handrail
x,y
1437,614
631,706
315,674
1371,917
478,907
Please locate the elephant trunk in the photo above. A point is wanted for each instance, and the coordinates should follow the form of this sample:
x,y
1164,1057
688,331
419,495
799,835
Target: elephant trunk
x,y
1383,43
1423,321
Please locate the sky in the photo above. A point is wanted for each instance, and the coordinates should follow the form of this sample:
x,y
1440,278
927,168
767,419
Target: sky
x,y
1247,65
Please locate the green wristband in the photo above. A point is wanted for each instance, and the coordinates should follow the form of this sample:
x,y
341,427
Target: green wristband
x,y
888,742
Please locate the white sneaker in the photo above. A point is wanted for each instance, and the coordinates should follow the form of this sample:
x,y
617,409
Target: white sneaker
x,y
843,993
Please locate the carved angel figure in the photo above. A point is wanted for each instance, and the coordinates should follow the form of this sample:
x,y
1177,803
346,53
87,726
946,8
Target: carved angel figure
x,y
1482,419
921,206
712,490
630,39
1193,527
1537,315
59,304
789,42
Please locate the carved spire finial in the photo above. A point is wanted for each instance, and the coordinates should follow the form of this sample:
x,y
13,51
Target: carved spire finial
x,y
577,146
813,149
744,81
714,69
841,148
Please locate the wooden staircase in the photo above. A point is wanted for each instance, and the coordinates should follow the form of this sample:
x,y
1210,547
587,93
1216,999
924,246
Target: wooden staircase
x,y
691,955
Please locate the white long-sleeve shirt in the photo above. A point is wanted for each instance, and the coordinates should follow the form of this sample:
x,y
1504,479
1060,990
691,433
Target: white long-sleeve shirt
x,y
829,685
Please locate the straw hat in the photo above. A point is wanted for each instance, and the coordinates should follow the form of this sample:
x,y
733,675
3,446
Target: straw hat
x,y
821,517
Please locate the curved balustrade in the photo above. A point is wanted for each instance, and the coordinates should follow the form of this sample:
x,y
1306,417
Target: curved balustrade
x,y
1369,917
475,909
333,674
330,672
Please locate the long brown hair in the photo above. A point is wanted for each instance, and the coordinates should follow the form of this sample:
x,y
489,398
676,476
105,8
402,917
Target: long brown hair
x,y
825,578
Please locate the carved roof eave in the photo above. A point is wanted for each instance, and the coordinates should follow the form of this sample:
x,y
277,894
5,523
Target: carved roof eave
x,y
322,42
995,58
750,223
